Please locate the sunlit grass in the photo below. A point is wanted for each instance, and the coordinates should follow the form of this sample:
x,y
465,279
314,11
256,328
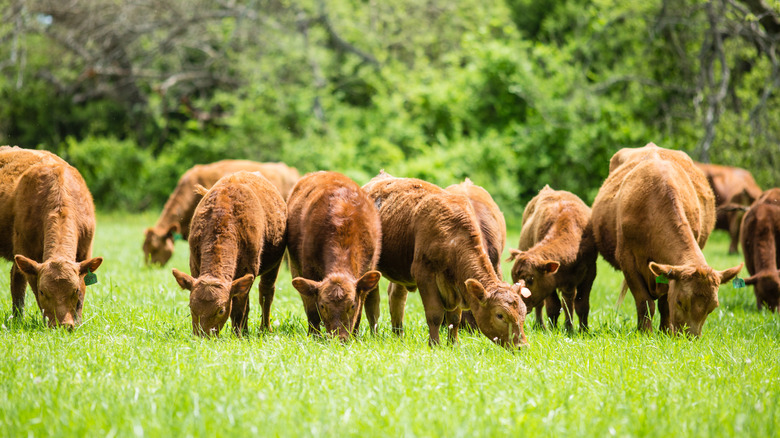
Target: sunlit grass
x,y
133,368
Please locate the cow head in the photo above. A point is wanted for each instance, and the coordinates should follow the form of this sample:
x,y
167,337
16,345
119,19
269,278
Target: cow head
x,y
499,312
338,298
158,245
58,285
767,288
537,273
211,300
693,293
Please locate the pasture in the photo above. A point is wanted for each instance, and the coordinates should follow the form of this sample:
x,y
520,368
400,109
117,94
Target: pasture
x,y
134,369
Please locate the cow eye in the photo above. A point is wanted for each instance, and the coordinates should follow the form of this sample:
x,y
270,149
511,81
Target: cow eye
x,y
529,281
221,312
499,316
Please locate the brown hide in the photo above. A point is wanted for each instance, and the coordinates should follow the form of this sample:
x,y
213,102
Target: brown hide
x,y
47,220
238,232
760,239
651,217
556,251
334,237
176,215
431,240
733,188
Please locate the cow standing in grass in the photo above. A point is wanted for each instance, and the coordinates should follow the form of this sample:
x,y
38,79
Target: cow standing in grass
x,y
556,251
431,240
47,220
176,215
238,232
334,237
651,217
761,245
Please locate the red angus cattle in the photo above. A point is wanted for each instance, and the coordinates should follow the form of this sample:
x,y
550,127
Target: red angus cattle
x,y
760,240
650,219
238,232
334,237
556,251
176,215
431,240
47,221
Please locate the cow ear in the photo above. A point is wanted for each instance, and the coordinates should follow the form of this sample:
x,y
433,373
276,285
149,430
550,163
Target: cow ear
x,y
730,273
305,287
668,270
752,280
184,280
28,266
513,254
475,290
240,288
549,267
90,265
367,282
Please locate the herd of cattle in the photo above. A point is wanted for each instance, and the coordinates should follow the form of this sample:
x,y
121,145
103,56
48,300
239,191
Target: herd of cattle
x,y
650,219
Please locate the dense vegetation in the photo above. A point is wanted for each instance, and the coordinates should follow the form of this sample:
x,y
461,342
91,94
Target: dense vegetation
x,y
515,94
133,368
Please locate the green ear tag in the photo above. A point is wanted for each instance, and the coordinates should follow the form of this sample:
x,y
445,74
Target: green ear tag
x,y
177,236
90,278
661,279
738,283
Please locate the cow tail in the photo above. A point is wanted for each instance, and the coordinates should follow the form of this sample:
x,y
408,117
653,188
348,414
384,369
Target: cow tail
x,y
623,289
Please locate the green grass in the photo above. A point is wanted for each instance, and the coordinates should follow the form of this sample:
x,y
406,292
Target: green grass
x,y
133,368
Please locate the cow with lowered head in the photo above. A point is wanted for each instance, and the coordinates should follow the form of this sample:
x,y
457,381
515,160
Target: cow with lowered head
x,y
333,240
651,217
431,240
47,220
176,215
761,245
238,232
556,252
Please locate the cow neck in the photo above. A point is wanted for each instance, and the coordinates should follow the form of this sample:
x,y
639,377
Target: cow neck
x,y
473,263
764,248
60,235
219,257
180,206
557,242
681,242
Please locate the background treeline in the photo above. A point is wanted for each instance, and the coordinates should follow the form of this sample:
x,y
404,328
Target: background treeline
x,y
514,94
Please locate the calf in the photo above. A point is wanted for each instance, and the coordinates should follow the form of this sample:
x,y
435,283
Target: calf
x,y
176,215
760,240
431,239
47,220
556,251
735,189
238,232
334,236
651,217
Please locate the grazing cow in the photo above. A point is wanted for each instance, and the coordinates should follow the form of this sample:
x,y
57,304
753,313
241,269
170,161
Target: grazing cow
x,y
431,239
238,232
176,215
47,220
493,227
760,240
735,189
556,251
333,238
651,217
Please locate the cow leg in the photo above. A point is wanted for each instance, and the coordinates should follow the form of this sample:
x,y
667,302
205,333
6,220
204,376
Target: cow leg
x,y
663,311
582,300
372,309
539,323
452,319
397,297
645,305
433,305
568,301
553,304
734,224
267,285
18,288
239,315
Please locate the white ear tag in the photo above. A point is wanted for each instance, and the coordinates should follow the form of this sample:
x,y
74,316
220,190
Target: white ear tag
x,y
525,292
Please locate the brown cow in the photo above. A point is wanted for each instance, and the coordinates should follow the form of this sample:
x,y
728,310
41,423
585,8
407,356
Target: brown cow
x,y
651,217
176,215
431,239
735,189
239,231
556,251
47,220
760,240
334,236
493,227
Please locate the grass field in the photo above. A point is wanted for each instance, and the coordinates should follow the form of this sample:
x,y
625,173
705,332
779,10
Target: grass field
x,y
133,368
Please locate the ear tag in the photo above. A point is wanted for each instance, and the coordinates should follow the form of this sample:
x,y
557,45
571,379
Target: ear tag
x,y
177,236
525,292
90,278
738,283
661,279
